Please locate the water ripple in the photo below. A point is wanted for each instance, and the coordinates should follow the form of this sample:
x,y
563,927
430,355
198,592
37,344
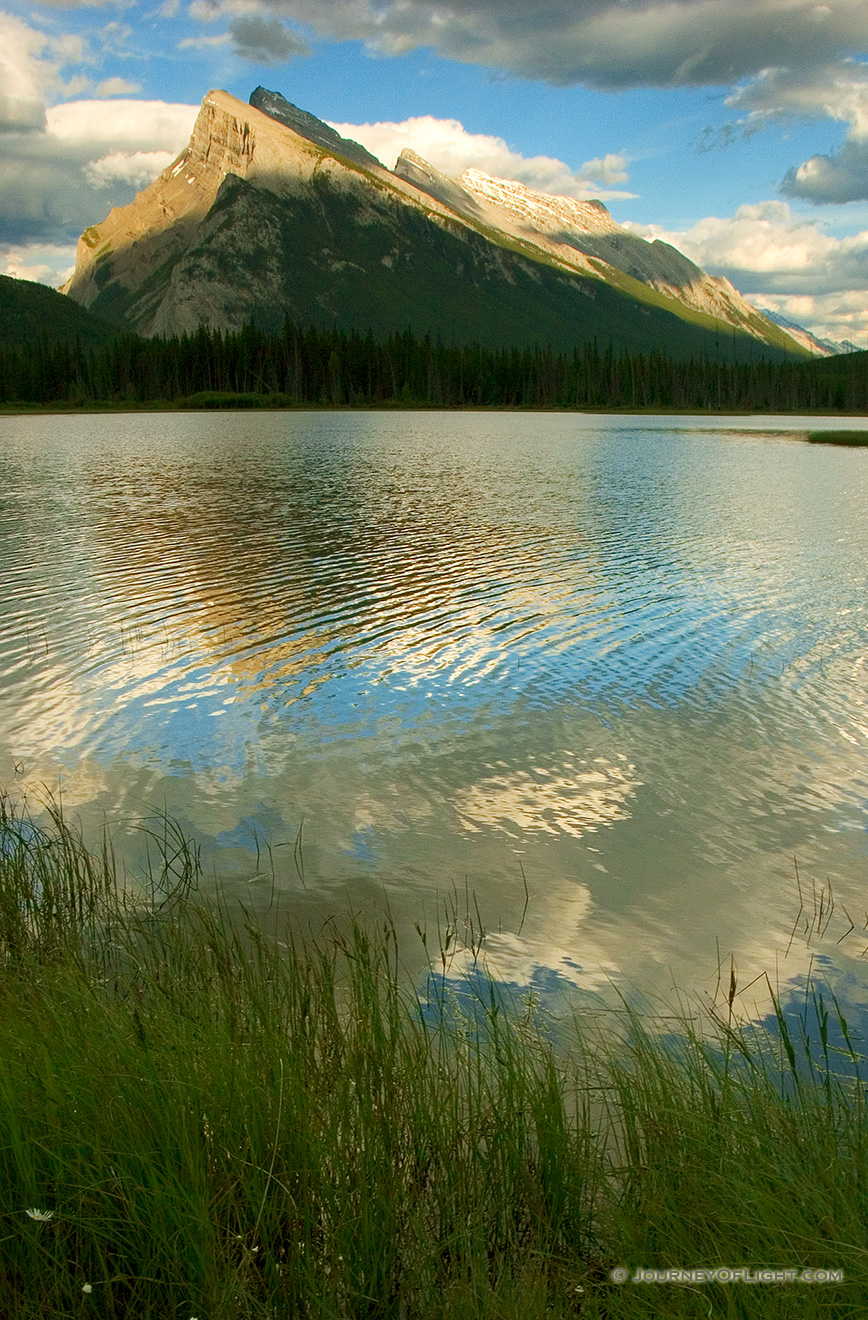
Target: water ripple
x,y
512,632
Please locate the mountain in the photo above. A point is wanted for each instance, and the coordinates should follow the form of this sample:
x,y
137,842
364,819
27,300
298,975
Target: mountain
x,y
269,213
31,312
817,347
584,235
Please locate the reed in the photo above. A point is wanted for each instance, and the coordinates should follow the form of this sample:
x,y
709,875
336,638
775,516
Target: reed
x,y
202,1121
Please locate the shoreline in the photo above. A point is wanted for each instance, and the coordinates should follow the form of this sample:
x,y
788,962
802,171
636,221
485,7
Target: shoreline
x,y
97,409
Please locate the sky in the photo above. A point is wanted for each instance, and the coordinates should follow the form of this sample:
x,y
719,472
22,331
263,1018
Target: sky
x,y
735,129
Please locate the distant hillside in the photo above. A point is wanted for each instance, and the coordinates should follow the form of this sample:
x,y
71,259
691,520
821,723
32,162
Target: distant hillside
x,y
269,214
30,312
820,347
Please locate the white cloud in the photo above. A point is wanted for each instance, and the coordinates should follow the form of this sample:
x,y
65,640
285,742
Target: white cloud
x,y
610,169
842,176
135,125
90,156
766,246
824,91
204,43
447,145
782,260
821,91
44,263
836,316
31,64
136,168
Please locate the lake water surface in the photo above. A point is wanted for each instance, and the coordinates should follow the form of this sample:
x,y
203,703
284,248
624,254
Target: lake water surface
x,y
602,678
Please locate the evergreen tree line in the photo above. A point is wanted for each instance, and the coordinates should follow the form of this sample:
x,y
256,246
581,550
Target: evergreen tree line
x,y
335,368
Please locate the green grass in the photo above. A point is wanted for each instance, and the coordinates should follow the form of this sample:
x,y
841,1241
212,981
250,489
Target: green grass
x,y
222,1123
850,438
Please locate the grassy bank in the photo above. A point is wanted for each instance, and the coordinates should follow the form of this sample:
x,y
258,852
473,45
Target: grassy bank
x,y
205,1122
848,438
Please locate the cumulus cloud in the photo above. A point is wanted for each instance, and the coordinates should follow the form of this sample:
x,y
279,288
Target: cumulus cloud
x,y
839,177
31,66
44,263
826,91
265,41
609,169
446,144
603,43
836,316
777,258
57,181
766,247
136,168
821,91
62,168
132,125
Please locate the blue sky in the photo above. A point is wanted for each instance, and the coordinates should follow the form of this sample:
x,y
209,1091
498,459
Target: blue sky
x,y
736,129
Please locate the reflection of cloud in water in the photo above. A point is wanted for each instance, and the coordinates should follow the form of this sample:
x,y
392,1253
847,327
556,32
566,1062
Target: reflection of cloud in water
x,y
38,783
569,796
550,944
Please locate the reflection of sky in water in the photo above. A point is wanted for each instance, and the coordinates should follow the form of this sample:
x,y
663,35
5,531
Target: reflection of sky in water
x,y
627,658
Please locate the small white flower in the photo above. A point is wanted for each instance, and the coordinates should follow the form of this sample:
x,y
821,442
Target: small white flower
x,y
87,1287
42,1215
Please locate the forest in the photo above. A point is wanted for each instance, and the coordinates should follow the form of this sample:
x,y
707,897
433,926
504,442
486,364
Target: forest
x,y
332,368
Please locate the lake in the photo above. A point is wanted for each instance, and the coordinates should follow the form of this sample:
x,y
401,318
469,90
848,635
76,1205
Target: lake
x,y
598,683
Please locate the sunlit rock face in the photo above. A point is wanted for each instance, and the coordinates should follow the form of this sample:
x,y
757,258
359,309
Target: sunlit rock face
x,y
229,139
270,214
195,247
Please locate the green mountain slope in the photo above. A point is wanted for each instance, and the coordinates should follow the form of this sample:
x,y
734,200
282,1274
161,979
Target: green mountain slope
x,y
261,219
323,259
31,312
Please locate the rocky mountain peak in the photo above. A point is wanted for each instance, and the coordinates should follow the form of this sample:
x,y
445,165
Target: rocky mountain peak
x,y
543,211
268,211
229,139
429,180
308,126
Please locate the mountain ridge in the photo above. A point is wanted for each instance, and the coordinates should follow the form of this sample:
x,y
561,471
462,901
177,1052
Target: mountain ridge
x,y
269,213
